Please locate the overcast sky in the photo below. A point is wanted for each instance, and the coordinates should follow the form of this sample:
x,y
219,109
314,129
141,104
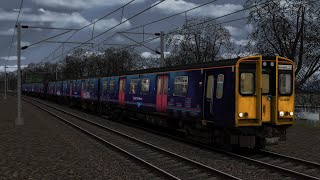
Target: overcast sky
x,y
79,13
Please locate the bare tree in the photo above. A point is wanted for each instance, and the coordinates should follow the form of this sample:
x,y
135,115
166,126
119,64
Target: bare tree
x,y
199,40
89,64
41,72
289,28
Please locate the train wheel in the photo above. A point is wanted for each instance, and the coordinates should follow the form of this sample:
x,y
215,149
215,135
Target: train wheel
x,y
260,143
115,115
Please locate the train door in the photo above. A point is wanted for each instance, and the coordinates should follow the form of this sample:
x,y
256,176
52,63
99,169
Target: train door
x,y
266,97
82,88
71,88
122,87
162,93
209,96
249,89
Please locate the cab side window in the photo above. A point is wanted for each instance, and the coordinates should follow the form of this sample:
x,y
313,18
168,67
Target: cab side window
x,y
285,84
220,80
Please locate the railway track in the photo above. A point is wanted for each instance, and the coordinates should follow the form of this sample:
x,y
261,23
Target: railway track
x,y
167,164
295,164
287,166
277,162
290,166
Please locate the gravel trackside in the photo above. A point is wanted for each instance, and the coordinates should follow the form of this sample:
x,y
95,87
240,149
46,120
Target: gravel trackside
x,y
45,148
303,141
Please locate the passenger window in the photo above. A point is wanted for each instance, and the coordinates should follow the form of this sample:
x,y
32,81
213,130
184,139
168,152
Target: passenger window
x,y
64,87
180,86
145,86
133,86
92,85
104,85
219,92
87,86
111,86
247,83
285,84
210,86
265,83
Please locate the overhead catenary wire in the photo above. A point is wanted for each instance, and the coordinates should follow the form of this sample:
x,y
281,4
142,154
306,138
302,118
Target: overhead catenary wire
x,y
142,25
14,30
149,40
45,40
172,16
200,22
99,19
170,32
122,7
41,27
137,42
183,12
127,31
137,14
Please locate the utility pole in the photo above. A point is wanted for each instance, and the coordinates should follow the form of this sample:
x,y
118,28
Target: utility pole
x,y
162,48
5,83
19,120
56,74
161,34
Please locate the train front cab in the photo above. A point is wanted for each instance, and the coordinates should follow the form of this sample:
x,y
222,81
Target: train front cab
x,y
264,98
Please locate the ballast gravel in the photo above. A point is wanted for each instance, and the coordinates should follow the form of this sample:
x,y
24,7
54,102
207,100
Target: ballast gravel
x,y
46,148
303,141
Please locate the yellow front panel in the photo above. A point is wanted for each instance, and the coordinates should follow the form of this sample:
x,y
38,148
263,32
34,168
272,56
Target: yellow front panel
x,y
248,104
285,104
266,110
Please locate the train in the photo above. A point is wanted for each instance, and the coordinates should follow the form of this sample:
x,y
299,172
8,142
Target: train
x,y
241,102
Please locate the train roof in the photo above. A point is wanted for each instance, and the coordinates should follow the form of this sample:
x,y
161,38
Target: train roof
x,y
218,63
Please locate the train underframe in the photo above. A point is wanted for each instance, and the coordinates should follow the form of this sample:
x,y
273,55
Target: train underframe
x,y
250,137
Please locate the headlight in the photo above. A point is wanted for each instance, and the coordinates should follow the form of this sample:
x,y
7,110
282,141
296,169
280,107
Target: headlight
x,y
291,113
281,113
241,115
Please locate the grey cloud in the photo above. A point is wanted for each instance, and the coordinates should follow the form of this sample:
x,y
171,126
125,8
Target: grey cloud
x,y
81,4
176,6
